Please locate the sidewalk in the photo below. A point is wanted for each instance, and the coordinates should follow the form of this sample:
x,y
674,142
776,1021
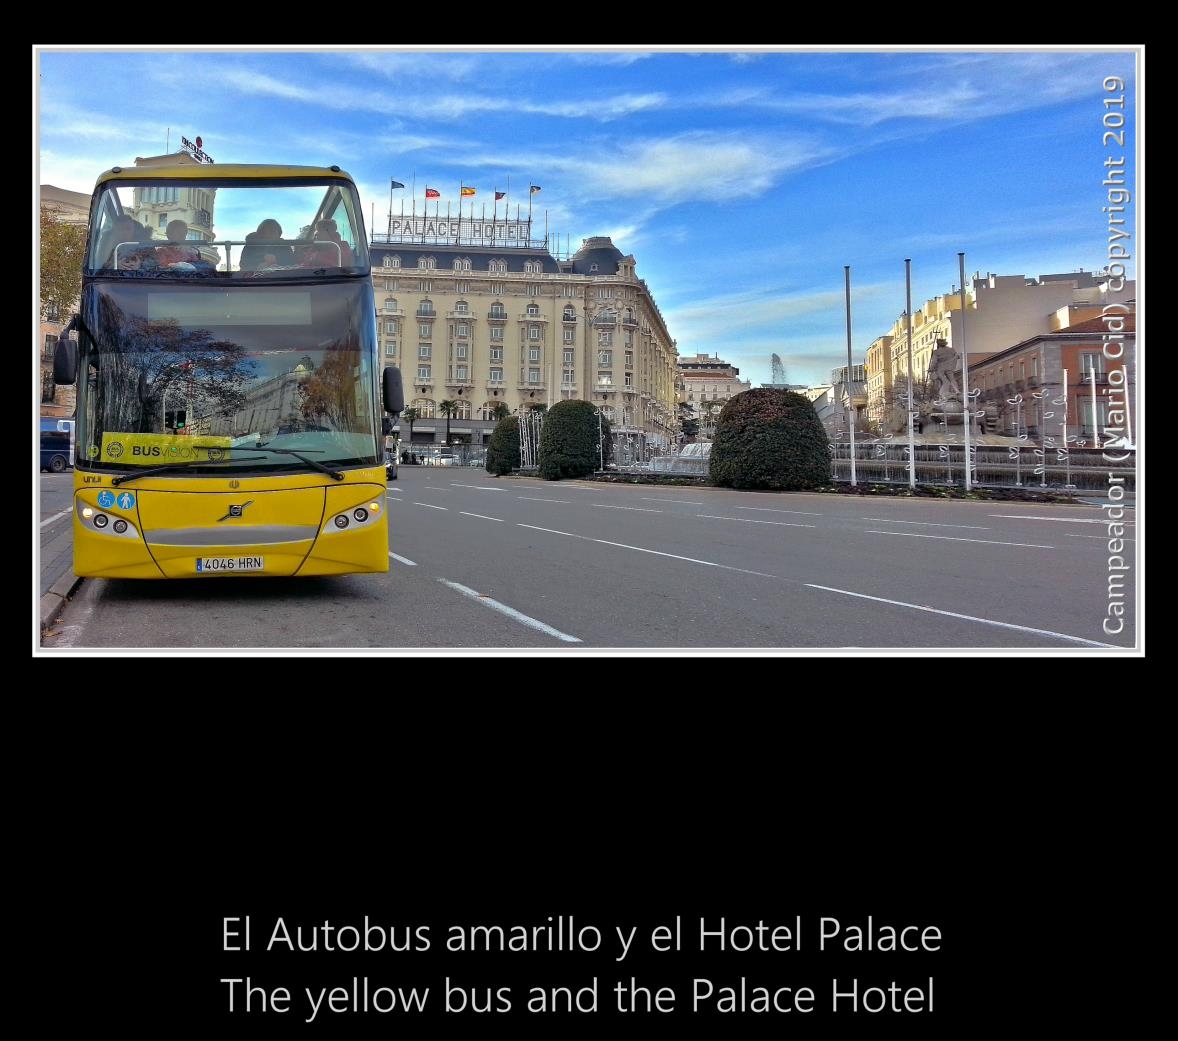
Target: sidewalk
x,y
57,578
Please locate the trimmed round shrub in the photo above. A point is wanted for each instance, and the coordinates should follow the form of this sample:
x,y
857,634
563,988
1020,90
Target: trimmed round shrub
x,y
770,439
569,441
503,448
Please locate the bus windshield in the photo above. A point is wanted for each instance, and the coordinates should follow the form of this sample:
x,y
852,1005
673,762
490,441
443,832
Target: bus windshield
x,y
262,229
208,375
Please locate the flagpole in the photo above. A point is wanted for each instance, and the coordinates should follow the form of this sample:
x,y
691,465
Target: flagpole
x,y
847,382
966,404
911,436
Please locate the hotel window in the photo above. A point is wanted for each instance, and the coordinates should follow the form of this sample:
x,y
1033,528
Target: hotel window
x,y
568,357
533,310
1090,360
533,375
533,290
425,330
462,330
605,358
603,293
390,349
533,332
496,375
498,311
390,303
629,359
604,379
425,286
463,287
567,377
604,338
462,307
423,372
426,263
534,354
496,288
570,336
629,379
390,327
424,351
460,372
496,354
460,351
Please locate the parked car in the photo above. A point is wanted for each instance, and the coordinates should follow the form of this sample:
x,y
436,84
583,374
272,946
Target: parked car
x,y
446,457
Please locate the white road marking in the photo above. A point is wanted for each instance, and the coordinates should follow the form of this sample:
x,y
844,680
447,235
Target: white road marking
x,y
511,612
952,538
967,617
481,516
1060,520
1103,538
478,487
532,498
638,509
927,524
753,520
655,552
770,509
431,506
685,502
403,560
56,516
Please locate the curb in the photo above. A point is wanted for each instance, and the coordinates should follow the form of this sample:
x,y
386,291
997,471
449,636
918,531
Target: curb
x,y
64,586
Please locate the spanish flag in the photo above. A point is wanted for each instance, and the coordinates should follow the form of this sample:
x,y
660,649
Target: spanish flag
x,y
466,191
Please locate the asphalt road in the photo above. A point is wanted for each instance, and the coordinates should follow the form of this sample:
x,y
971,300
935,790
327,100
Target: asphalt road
x,y
518,564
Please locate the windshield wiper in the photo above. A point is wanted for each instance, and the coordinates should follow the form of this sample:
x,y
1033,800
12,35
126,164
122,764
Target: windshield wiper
x,y
156,470
335,475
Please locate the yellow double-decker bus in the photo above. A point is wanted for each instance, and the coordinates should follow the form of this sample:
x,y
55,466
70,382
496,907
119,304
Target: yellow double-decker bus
x,y
231,405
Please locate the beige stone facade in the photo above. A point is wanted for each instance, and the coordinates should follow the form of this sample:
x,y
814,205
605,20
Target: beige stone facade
x,y
1001,310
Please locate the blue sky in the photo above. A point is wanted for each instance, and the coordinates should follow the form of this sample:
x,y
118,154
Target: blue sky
x,y
742,179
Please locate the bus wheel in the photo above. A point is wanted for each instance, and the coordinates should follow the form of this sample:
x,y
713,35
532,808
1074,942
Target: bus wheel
x,y
58,464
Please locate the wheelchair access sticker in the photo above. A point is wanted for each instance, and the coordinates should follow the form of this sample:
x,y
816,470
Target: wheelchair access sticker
x,y
123,500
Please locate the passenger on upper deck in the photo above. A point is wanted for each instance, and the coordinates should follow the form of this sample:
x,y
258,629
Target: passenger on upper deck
x,y
322,254
265,245
177,251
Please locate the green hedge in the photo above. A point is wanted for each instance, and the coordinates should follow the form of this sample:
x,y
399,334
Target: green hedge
x,y
503,448
569,441
770,439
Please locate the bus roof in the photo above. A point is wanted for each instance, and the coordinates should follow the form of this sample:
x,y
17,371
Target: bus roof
x,y
218,171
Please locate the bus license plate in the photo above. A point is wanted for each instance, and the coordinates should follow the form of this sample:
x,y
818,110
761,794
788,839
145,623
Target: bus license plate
x,y
216,565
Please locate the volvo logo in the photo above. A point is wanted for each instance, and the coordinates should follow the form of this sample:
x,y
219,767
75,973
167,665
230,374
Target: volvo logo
x,y
236,511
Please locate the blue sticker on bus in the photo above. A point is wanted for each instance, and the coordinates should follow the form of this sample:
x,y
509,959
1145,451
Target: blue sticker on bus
x,y
106,499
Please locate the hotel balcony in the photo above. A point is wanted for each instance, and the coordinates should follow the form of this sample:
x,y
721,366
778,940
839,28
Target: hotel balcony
x,y
523,318
497,316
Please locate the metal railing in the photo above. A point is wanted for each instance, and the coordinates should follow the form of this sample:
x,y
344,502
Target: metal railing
x,y
994,466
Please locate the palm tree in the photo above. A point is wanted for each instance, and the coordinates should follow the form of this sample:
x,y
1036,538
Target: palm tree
x,y
411,416
500,411
448,407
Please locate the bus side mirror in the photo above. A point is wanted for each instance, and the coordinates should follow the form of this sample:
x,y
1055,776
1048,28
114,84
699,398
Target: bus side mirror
x,y
65,362
394,393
